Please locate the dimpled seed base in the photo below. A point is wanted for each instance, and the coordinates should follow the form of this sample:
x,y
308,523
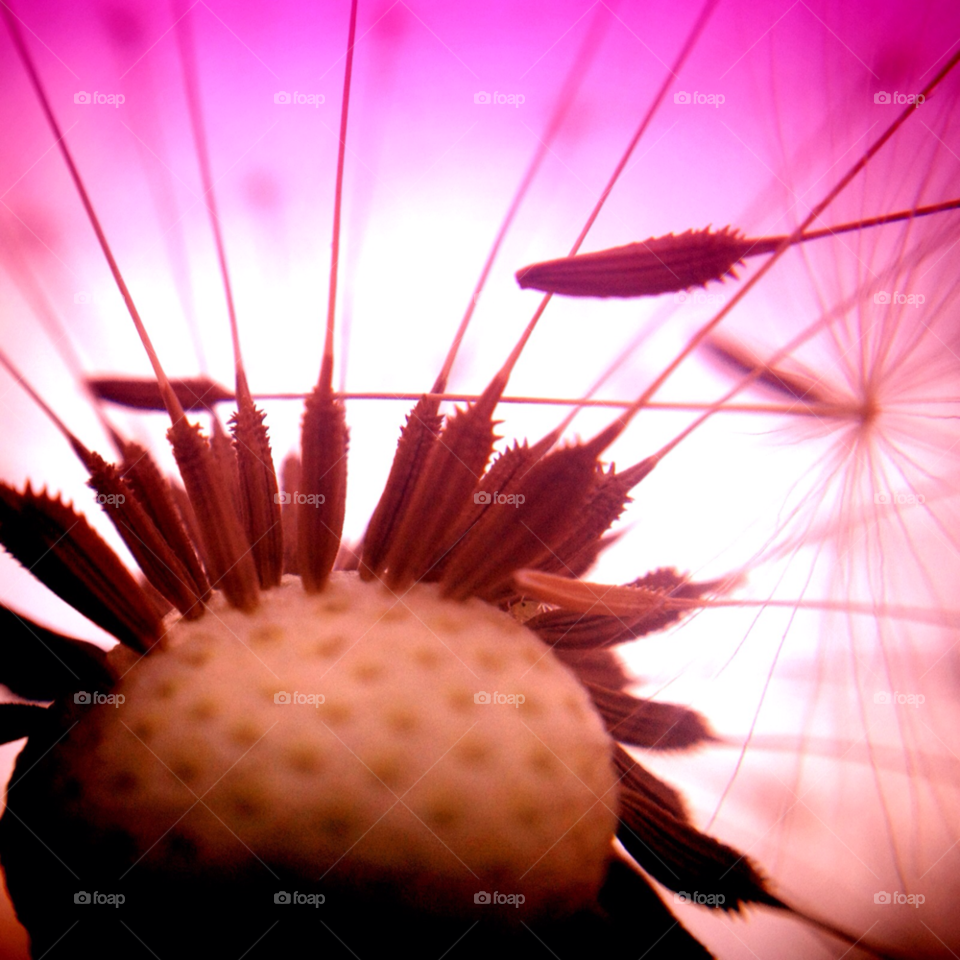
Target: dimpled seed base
x,y
435,748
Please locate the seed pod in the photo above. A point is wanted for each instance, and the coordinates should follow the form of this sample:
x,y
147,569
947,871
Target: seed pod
x,y
673,263
657,265
143,393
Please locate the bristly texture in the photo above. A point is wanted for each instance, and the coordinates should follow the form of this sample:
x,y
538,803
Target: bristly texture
x,y
474,548
323,484
157,498
645,269
673,263
420,431
59,547
210,483
442,519
452,464
159,563
259,500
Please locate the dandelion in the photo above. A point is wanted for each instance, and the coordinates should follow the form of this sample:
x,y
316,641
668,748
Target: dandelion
x,y
813,612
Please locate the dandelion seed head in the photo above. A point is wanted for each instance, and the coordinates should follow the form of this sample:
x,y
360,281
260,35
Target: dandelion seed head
x,y
790,500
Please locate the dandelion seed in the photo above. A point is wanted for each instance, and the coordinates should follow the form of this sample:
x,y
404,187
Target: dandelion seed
x,y
674,263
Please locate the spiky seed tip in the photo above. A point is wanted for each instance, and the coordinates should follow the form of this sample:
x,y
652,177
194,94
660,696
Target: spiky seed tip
x,y
645,269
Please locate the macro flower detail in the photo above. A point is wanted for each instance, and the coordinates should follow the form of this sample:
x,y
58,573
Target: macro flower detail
x,y
88,760
117,806
675,263
411,718
122,781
